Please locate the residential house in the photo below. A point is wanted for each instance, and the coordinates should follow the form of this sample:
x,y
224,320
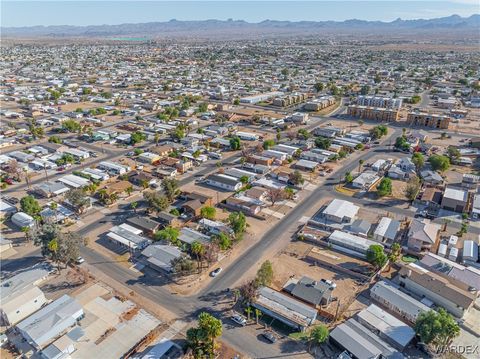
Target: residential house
x,y
20,295
366,180
403,305
47,324
169,220
160,257
422,235
386,326
431,177
284,308
340,211
223,182
387,230
453,295
315,293
146,224
455,199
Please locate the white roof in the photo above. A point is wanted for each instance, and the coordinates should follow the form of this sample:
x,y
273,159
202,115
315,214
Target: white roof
x,y
74,181
340,208
456,194
387,227
387,324
343,238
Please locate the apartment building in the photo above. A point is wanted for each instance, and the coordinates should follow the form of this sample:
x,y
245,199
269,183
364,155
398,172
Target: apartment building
x,y
377,101
373,113
319,103
289,100
424,119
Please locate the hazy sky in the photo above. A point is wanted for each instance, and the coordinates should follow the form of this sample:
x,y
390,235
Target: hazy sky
x,y
78,12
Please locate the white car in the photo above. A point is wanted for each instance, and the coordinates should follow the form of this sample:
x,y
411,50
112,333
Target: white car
x,y
216,272
237,318
80,260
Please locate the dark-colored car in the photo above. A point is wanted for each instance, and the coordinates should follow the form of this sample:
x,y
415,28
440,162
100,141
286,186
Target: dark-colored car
x,y
269,336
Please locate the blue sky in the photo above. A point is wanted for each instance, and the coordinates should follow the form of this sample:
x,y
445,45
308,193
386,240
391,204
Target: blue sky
x,y
78,12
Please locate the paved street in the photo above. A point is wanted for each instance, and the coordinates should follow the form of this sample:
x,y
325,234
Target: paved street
x,y
212,297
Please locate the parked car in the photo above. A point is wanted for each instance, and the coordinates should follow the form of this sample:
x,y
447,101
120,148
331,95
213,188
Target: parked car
x,y
80,260
237,318
215,272
269,336
329,282
8,180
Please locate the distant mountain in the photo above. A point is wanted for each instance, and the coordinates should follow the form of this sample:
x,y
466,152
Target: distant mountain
x,y
239,28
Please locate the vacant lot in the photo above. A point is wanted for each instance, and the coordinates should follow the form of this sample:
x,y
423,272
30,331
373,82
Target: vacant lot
x,y
290,263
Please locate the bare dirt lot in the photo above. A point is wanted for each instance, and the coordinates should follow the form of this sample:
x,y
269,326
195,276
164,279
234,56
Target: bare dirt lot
x,y
289,263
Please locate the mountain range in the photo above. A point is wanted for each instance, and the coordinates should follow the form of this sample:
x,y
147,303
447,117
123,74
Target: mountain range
x,y
239,28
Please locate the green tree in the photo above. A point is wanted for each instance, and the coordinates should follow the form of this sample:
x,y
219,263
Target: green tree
x,y
137,137
54,139
235,143
134,206
223,241
418,160
244,180
385,187
238,222
395,252
412,189
208,212
59,247
258,314
376,256
156,201
30,206
453,153
360,164
439,162
197,249
296,178
168,234
319,86
436,327
401,143
203,107
348,177
323,143
267,144
170,187
78,199
378,132
212,327
71,126
318,335
265,274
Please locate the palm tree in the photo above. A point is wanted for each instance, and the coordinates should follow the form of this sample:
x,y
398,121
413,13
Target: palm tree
x,y
27,232
394,254
53,207
258,313
156,138
129,190
248,310
134,206
102,194
360,163
198,250
113,197
236,294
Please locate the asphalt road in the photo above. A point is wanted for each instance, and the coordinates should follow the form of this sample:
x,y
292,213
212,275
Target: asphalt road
x,y
212,296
